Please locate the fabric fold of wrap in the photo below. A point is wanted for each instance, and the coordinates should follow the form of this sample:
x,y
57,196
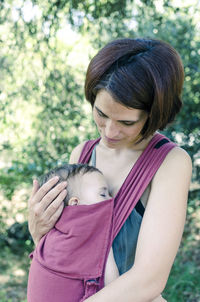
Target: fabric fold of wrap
x,y
83,235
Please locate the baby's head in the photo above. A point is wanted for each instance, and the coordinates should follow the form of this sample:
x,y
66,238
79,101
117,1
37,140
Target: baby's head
x,y
86,184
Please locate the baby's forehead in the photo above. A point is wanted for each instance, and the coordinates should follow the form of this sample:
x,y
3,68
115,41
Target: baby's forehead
x,y
94,178
90,176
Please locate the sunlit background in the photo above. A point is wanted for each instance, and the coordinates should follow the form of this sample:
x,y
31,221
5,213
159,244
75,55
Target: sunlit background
x,y
45,49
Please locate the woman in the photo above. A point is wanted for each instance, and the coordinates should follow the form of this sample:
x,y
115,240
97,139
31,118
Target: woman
x,y
134,87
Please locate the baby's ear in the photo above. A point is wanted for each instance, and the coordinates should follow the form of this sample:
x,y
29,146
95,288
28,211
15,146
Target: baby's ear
x,y
74,201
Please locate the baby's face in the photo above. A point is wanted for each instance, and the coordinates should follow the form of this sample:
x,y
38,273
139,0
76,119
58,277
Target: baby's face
x,y
93,188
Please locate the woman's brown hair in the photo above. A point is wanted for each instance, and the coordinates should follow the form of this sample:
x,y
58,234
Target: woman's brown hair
x,y
144,74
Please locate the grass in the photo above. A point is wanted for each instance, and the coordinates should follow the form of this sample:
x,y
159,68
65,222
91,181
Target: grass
x,y
183,284
184,281
13,276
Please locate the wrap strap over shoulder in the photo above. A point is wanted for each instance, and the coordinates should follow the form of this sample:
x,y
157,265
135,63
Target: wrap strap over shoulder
x,y
138,179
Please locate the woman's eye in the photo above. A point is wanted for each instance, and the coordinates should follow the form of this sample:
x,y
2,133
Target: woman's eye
x,y
103,195
101,113
128,123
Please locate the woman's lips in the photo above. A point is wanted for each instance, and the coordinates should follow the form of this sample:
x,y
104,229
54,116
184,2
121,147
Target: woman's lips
x,y
111,140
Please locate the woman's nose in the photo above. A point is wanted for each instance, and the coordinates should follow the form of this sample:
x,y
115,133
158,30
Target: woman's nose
x,y
111,129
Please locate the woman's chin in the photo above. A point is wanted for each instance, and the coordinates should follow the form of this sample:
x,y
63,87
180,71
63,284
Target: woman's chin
x,y
112,144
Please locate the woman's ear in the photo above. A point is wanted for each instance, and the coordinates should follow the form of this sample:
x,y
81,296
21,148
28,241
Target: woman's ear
x,y
74,201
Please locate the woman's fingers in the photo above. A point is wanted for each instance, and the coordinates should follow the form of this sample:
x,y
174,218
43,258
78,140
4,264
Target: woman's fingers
x,y
48,218
35,188
44,189
54,205
53,195
56,215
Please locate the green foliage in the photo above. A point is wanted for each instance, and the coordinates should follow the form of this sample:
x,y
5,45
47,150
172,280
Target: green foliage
x,y
14,269
42,108
18,238
186,287
183,284
42,101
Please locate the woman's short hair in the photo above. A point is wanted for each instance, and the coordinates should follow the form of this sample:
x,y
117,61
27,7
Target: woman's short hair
x,y
145,74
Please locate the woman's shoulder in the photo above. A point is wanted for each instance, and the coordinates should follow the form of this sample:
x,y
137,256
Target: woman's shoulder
x,y
176,162
178,155
76,152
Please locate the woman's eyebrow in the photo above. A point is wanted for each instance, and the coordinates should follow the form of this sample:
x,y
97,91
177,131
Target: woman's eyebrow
x,y
100,110
133,121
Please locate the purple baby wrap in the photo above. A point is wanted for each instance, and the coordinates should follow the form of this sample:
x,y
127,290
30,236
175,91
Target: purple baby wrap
x,y
69,262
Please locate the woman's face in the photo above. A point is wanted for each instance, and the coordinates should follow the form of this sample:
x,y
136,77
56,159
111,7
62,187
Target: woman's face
x,y
119,126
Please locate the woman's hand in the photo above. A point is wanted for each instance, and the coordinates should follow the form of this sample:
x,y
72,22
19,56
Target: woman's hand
x,y
45,206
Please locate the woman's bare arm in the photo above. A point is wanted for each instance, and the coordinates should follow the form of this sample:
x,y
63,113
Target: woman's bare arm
x,y
159,236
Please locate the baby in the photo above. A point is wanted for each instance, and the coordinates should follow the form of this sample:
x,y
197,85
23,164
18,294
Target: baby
x,y
86,186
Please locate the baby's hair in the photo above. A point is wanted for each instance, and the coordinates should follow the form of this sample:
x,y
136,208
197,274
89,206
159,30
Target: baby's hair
x,y
66,172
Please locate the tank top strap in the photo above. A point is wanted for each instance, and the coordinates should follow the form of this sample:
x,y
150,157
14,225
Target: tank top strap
x,y
87,151
93,156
